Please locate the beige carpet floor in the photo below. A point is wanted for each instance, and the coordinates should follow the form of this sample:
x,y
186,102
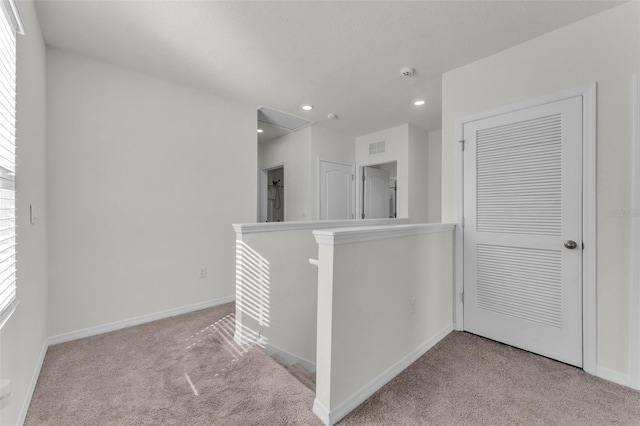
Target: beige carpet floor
x,y
469,380
187,370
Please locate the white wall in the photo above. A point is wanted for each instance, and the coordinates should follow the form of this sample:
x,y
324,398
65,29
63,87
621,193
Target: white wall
x,y
293,150
419,166
408,146
23,336
366,331
299,152
605,49
434,176
330,146
277,288
144,179
286,295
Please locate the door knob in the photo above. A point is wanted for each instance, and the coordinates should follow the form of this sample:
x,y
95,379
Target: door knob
x,y
570,244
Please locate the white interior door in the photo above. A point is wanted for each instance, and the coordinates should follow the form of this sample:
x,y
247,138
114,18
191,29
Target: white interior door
x,y
376,193
522,203
336,191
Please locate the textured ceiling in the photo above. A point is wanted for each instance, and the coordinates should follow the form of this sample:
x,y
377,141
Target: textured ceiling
x,y
343,57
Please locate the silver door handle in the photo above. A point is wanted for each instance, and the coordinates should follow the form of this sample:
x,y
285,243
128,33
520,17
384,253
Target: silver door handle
x,y
570,244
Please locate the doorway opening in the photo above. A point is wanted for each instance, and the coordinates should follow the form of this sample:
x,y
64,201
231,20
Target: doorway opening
x,y
379,190
272,194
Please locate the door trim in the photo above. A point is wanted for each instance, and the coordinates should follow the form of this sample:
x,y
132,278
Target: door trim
x,y
634,312
589,210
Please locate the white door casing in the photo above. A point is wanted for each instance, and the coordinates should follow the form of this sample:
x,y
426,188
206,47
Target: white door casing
x,y
336,191
522,202
634,308
376,193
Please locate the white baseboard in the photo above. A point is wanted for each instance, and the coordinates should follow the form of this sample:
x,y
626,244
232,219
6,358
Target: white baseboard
x,y
244,336
321,411
289,357
613,376
117,325
32,385
334,416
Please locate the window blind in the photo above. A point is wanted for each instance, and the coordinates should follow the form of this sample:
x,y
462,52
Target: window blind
x,y
9,25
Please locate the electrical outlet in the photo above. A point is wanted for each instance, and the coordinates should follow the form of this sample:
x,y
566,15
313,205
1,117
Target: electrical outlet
x,y
203,272
412,305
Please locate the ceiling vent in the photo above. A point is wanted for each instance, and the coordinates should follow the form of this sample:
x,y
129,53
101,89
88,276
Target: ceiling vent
x,y
282,120
377,148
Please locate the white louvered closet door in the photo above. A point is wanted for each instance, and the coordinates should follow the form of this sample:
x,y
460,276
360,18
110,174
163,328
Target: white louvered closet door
x,y
522,202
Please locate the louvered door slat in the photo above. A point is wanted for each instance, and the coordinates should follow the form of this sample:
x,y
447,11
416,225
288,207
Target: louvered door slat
x,y
497,169
508,277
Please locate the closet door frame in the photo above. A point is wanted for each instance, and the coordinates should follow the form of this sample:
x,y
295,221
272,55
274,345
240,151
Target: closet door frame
x,y
589,209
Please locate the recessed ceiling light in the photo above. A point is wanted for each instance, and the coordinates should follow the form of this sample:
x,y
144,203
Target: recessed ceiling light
x,y
260,130
307,107
419,102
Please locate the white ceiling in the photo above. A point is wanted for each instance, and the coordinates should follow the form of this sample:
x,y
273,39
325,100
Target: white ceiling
x,y
344,57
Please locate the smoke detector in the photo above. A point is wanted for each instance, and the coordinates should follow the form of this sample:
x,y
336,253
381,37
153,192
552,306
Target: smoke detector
x,y
332,116
407,71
